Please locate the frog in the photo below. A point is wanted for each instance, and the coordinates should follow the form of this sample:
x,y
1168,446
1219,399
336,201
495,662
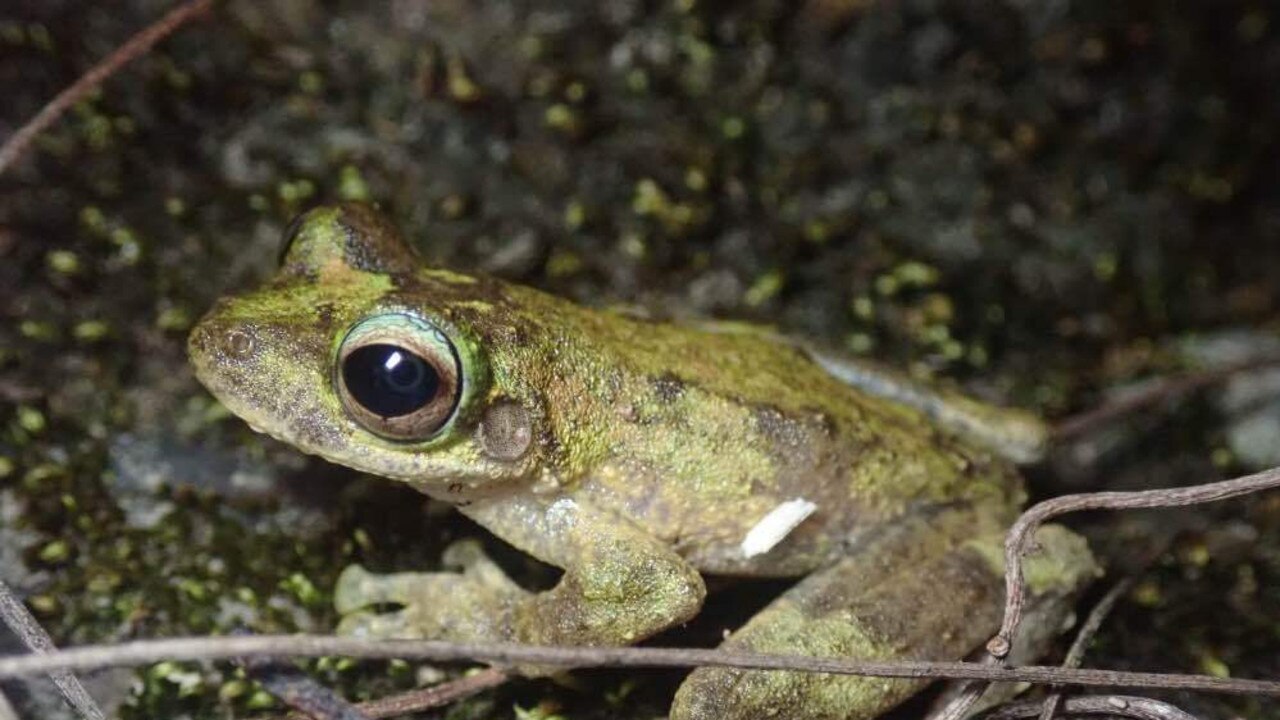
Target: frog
x,y
640,457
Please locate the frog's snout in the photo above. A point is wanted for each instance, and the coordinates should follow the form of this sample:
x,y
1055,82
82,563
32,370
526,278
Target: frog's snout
x,y
200,342
213,342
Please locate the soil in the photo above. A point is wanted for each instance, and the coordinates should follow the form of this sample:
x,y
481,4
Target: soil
x,y
1042,201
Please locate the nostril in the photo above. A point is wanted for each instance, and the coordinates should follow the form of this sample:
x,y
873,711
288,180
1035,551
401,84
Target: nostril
x,y
237,344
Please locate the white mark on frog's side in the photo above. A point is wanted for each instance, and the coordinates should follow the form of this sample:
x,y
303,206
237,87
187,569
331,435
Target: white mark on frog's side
x,y
774,527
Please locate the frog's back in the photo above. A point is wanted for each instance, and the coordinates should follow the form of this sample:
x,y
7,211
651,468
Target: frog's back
x,y
702,435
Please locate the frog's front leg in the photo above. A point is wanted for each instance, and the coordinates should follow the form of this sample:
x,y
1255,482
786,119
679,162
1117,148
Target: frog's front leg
x,y
619,585
459,605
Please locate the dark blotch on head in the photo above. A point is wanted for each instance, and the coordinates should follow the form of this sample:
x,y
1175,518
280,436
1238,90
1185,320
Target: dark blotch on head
x,y
373,243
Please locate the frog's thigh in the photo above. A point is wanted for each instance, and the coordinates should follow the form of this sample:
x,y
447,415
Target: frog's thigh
x,y
870,606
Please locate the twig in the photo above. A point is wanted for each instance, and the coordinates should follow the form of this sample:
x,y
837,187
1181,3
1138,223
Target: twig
x,y
970,693
425,699
960,706
28,630
1160,391
133,48
299,691
1016,542
1139,708
1079,646
196,648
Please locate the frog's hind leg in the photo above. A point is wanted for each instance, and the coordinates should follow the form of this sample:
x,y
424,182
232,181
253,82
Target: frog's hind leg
x,y
923,592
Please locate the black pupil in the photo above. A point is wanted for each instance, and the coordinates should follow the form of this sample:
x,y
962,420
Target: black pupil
x,y
389,380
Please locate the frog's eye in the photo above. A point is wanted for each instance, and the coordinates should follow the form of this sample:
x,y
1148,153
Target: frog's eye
x,y
399,376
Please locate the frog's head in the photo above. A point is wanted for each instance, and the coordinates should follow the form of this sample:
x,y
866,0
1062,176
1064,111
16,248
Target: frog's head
x,y
355,353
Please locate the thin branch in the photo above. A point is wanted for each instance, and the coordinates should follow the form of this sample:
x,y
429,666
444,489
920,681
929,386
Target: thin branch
x,y
300,691
1157,392
1020,535
133,48
970,693
27,628
1089,628
150,651
1139,708
425,699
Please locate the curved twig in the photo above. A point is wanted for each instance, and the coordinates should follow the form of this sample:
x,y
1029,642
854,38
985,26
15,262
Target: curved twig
x,y
300,691
1020,535
1159,391
133,48
1079,646
148,651
1139,708
425,699
959,707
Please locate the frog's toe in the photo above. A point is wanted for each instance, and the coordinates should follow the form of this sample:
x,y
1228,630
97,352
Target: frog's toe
x,y
469,558
380,625
441,605
355,589
358,588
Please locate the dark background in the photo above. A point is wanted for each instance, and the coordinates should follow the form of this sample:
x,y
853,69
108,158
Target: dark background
x,y
1039,199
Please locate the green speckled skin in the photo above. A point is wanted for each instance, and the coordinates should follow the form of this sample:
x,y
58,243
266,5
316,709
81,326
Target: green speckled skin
x,y
653,449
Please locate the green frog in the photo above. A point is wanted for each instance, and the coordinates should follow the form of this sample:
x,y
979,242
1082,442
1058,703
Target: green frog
x,y
638,457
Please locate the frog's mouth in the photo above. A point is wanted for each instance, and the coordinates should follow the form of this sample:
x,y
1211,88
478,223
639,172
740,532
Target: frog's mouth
x,y
274,421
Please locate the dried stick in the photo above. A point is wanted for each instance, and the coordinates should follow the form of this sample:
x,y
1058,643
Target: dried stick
x,y
135,47
959,706
196,648
1020,535
1160,391
28,630
300,691
1139,708
426,699
1079,646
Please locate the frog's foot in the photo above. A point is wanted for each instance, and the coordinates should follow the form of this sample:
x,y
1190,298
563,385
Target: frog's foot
x,y
469,605
919,595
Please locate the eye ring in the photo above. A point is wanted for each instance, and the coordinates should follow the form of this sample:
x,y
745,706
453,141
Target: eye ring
x,y
399,377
